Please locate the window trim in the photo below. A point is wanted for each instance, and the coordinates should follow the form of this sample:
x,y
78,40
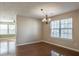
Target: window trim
x,y
62,28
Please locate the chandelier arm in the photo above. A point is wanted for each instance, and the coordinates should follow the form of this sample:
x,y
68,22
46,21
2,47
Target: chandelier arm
x,y
43,12
46,20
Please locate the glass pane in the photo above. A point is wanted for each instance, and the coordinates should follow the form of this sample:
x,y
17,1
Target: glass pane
x,y
66,33
54,24
69,36
3,29
6,20
66,23
11,29
69,20
55,33
70,31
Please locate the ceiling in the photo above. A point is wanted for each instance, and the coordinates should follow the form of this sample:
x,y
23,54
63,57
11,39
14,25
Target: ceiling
x,y
32,9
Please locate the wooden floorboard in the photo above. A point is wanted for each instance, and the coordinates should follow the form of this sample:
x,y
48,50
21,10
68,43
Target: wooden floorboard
x,y
44,49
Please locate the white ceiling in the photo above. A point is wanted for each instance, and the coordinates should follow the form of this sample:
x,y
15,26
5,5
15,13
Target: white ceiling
x,y
32,9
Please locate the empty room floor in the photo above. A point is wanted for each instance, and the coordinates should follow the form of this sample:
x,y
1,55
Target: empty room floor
x,y
44,49
9,48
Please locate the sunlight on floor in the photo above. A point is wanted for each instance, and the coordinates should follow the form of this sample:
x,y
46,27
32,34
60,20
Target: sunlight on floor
x,y
7,48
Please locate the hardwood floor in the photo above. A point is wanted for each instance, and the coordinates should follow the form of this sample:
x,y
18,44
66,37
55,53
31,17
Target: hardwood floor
x,y
44,49
8,48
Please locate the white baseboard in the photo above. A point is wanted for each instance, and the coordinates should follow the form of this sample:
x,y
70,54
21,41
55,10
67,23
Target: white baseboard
x,y
62,46
28,43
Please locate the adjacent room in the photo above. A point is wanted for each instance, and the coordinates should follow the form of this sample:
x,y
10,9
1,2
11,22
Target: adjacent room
x,y
7,34
39,28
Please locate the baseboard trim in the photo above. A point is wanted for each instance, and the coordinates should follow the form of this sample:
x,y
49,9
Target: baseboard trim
x,y
76,50
50,43
28,43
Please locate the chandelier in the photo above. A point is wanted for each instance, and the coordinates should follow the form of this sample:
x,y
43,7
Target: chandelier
x,y
46,19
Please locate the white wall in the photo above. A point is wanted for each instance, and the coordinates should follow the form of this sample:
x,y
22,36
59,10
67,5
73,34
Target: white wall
x,y
28,30
74,43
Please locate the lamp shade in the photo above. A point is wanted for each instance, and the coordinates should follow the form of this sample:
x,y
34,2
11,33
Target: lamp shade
x,y
44,20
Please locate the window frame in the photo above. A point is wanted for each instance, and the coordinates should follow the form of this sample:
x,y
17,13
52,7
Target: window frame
x,y
60,29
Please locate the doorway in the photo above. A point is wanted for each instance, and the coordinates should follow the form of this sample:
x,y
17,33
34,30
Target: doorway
x,y
7,37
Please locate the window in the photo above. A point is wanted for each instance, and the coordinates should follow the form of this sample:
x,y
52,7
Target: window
x,y
3,29
62,28
55,28
7,27
11,29
6,20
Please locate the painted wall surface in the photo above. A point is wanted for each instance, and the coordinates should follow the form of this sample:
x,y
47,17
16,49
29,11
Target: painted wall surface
x,y
71,43
28,30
